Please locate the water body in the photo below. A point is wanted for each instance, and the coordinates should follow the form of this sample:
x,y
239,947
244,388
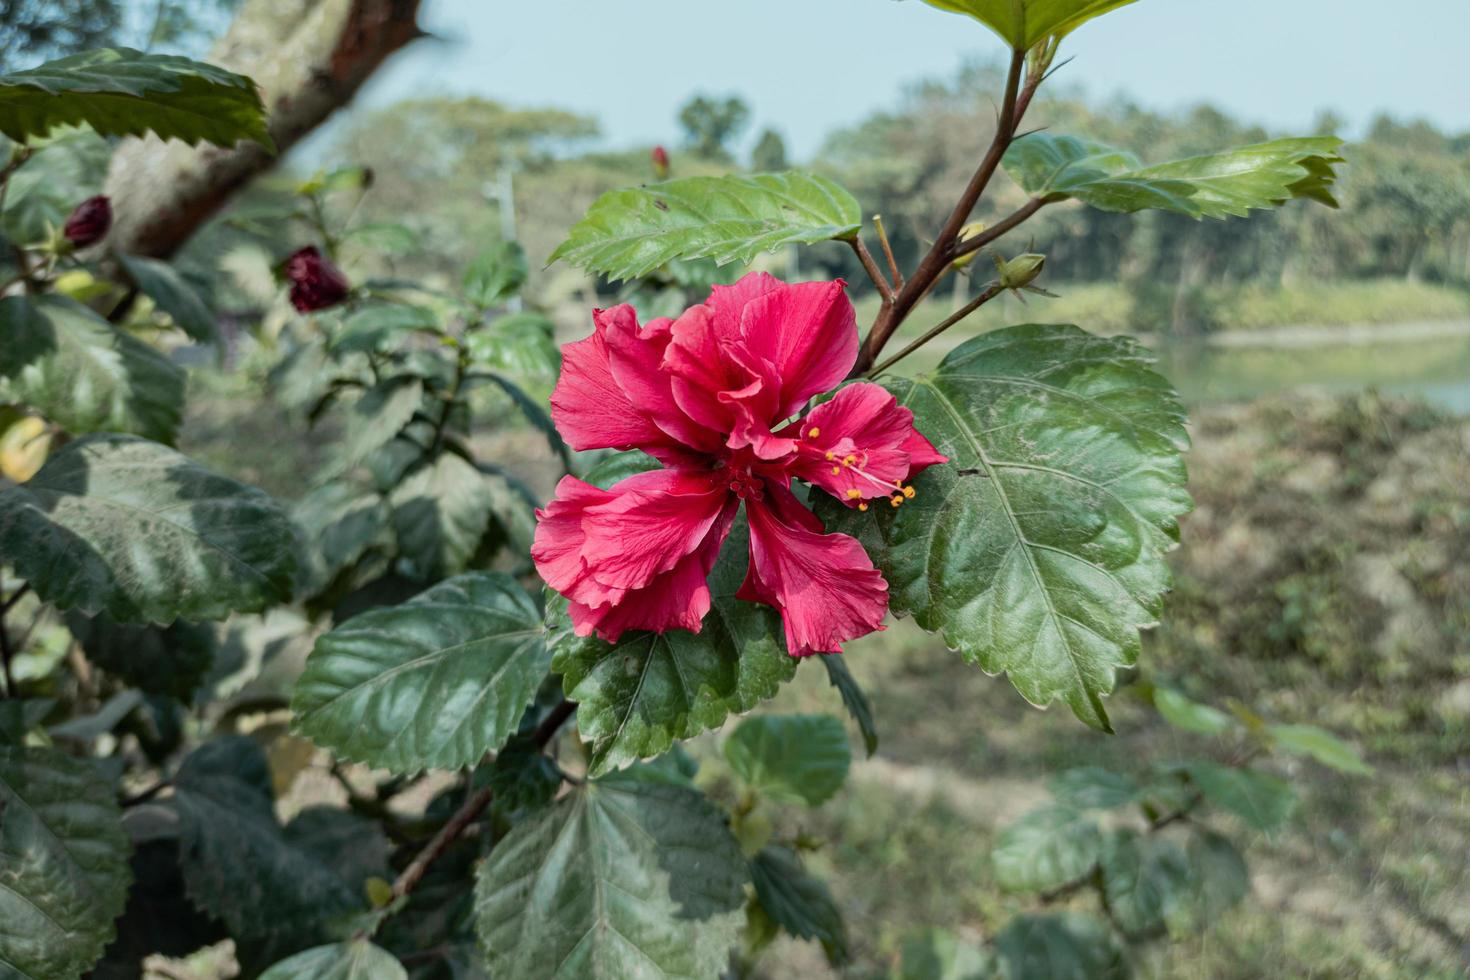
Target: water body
x,y
1429,361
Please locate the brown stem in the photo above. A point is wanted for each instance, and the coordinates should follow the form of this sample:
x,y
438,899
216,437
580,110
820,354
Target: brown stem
x,y
472,808
888,251
991,291
942,252
871,268
5,655
999,228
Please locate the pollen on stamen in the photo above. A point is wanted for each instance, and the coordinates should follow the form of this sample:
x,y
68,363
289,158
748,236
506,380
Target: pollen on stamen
x,y
836,471
854,493
829,455
895,500
862,506
848,460
813,432
910,493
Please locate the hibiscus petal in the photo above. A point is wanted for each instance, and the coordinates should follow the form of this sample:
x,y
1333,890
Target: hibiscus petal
x,y
589,407
635,358
637,555
808,332
653,520
825,585
860,445
676,599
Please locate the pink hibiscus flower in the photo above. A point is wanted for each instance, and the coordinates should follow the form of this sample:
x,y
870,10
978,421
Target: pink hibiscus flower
x,y
712,395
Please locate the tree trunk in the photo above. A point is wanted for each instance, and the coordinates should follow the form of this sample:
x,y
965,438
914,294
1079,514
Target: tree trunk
x,y
309,58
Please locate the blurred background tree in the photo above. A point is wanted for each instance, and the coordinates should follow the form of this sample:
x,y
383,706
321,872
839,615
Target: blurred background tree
x,y
710,124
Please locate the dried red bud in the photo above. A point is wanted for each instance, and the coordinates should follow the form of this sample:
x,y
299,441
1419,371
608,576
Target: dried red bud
x,y
315,282
90,221
660,158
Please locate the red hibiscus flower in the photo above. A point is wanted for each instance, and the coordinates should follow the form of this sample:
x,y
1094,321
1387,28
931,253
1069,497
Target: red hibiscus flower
x,y
712,395
315,282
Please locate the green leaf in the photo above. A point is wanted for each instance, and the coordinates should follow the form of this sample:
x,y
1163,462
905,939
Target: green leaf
x,y
375,325
1190,716
238,863
1262,800
84,374
799,902
122,92
535,413
1038,550
379,415
1046,849
168,660
63,864
618,467
1217,185
522,776
117,524
495,275
638,696
620,878
522,345
1022,23
1094,788
936,954
434,683
791,758
440,513
1059,946
854,698
113,711
18,718
629,233
384,236
338,523
1143,876
1319,744
162,283
356,959
1218,880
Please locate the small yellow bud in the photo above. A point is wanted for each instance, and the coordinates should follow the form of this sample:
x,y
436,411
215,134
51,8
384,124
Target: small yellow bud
x,y
968,232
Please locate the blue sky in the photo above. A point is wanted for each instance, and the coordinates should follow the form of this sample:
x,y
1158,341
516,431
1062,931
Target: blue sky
x,y
808,66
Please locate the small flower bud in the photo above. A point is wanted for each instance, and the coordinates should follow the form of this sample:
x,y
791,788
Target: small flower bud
x,y
966,233
89,223
1021,271
315,282
660,159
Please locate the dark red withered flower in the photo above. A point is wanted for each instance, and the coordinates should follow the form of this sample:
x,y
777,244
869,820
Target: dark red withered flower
x,y
315,282
89,222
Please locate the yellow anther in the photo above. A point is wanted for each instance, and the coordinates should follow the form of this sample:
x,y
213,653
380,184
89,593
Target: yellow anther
x,y
829,456
836,471
862,506
813,432
910,492
895,500
848,460
854,493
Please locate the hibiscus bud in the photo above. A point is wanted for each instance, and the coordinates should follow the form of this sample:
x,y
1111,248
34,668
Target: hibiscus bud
x,y
89,223
966,233
660,159
1020,271
315,282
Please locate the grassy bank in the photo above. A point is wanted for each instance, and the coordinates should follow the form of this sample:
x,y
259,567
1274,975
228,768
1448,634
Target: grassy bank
x,y
1112,308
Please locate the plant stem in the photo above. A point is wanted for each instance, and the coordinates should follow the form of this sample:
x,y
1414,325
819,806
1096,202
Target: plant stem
x,y
888,251
1000,228
472,808
871,267
892,315
991,291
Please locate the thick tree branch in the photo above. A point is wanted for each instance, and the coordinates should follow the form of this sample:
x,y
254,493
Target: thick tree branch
x,y
309,57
